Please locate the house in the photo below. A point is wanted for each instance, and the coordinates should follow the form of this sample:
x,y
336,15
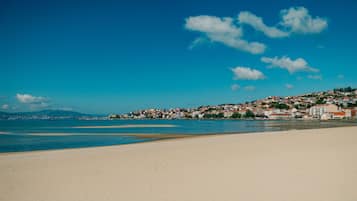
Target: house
x,y
227,114
196,114
348,113
318,110
280,116
326,116
268,112
338,115
354,113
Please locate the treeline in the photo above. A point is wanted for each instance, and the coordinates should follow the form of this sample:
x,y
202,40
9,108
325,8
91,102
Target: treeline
x,y
347,89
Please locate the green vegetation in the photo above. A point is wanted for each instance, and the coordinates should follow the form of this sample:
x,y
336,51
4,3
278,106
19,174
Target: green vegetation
x,y
320,101
347,89
213,116
249,114
280,106
236,115
352,104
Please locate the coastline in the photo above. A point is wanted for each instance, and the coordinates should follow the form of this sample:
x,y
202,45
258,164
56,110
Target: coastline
x,y
304,165
131,126
46,139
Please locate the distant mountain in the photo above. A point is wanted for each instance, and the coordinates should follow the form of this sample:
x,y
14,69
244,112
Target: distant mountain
x,y
48,114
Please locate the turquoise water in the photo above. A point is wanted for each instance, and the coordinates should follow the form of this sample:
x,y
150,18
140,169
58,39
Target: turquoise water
x,y
31,135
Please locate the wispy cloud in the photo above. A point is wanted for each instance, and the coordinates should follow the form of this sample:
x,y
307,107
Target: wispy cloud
x,y
315,77
33,102
249,88
27,98
289,64
235,87
293,20
198,41
65,108
289,86
224,31
42,105
5,106
246,17
246,73
340,76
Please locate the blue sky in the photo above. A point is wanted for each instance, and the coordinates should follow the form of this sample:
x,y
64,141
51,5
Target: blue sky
x,y
118,56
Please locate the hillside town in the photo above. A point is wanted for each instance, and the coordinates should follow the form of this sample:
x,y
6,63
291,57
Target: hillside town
x,y
333,104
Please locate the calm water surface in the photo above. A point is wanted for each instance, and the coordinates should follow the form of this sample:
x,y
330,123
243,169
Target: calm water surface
x,y
31,135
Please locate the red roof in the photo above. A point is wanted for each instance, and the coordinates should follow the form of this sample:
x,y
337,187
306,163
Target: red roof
x,y
353,112
338,113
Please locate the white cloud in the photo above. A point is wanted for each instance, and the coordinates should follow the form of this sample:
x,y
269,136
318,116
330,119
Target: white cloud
x,y
5,107
27,98
246,17
289,86
198,41
315,77
249,88
292,66
65,108
33,102
293,20
235,87
224,31
340,76
246,73
213,25
40,105
298,20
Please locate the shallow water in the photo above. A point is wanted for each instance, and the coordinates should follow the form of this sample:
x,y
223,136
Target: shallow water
x,y
30,135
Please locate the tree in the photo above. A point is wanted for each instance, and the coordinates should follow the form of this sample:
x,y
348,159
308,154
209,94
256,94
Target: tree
x,y
280,106
347,89
213,116
320,101
352,104
220,115
249,114
208,116
236,115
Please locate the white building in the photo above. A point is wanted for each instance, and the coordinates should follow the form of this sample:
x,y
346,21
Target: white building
x,y
227,114
318,110
196,114
348,113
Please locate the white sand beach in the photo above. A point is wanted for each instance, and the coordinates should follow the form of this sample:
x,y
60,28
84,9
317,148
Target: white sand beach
x,y
297,165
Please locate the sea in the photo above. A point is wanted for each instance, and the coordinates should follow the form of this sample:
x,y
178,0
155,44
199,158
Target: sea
x,y
35,135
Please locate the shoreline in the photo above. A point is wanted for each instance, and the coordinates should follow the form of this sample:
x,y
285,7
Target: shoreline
x,y
131,126
305,165
153,136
